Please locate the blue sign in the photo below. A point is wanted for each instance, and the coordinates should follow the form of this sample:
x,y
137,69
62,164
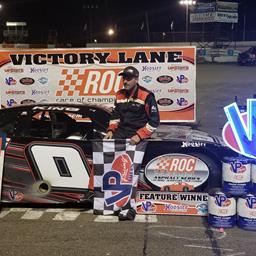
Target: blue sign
x,y
240,131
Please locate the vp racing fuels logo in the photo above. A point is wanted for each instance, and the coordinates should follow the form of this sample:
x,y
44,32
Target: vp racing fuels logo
x,y
239,133
118,183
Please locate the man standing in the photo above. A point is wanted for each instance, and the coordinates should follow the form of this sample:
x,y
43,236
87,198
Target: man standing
x,y
135,115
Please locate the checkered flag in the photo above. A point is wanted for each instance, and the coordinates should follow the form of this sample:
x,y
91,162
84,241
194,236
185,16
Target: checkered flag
x,y
116,170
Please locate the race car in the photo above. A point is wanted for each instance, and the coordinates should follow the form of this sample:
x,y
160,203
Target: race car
x,y
48,154
247,57
178,187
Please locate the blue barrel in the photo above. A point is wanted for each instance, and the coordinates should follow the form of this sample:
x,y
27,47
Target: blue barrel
x,y
221,210
236,175
253,176
246,212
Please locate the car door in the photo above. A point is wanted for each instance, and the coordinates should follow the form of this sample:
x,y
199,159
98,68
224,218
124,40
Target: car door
x,y
42,165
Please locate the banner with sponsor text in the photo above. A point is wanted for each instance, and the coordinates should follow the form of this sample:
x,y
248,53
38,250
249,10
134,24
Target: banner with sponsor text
x,y
172,203
90,75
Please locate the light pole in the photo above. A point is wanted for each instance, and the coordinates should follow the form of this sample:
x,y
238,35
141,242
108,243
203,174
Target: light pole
x,y
187,3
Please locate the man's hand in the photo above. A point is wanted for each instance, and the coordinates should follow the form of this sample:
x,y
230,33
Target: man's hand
x,y
109,135
135,139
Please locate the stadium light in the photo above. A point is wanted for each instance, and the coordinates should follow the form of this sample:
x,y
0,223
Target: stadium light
x,y
187,3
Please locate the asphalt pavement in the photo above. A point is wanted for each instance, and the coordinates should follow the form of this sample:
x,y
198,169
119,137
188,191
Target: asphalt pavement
x,y
66,231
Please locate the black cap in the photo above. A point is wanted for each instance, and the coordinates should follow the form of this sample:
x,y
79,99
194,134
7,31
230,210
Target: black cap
x,y
130,71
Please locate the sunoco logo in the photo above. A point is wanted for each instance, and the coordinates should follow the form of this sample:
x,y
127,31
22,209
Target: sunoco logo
x,y
43,80
27,80
147,79
165,102
164,79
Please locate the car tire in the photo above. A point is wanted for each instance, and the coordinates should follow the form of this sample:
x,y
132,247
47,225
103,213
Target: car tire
x,y
215,173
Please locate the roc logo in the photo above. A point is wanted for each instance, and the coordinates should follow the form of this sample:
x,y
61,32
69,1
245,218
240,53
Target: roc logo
x,y
148,206
89,82
239,133
118,182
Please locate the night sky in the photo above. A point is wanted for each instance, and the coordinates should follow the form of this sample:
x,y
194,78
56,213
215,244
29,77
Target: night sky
x,y
82,20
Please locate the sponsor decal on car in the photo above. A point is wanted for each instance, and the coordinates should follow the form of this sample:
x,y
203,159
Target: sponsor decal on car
x,y
239,132
121,170
176,172
43,80
56,108
186,144
14,92
15,195
182,102
174,203
165,102
181,79
27,101
27,80
11,102
13,70
164,79
10,81
147,79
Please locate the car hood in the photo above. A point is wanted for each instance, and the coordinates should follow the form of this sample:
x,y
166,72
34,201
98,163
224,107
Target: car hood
x,y
185,133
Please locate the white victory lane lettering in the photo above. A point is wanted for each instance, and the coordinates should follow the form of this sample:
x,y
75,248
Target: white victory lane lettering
x,y
44,157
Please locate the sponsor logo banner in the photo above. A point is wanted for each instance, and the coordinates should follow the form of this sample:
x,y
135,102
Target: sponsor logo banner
x,y
176,172
172,203
91,75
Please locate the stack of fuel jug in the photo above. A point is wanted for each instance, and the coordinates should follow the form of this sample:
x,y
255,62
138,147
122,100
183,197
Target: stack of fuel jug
x,y
235,202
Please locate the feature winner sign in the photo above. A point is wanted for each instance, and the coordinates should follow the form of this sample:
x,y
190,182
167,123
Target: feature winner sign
x,y
174,203
91,76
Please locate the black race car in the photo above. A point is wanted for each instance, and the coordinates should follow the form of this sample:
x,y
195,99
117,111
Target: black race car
x,y
48,154
248,57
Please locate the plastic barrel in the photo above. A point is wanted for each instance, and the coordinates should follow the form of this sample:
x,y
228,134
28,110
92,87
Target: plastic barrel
x,y
221,210
246,212
253,176
236,175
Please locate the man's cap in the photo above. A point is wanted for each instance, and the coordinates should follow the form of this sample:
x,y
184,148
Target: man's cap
x,y
130,71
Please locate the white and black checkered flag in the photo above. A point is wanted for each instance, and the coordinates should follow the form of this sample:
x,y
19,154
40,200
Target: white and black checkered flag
x,y
116,170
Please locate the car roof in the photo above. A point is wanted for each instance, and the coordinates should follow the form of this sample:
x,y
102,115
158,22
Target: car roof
x,y
62,107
